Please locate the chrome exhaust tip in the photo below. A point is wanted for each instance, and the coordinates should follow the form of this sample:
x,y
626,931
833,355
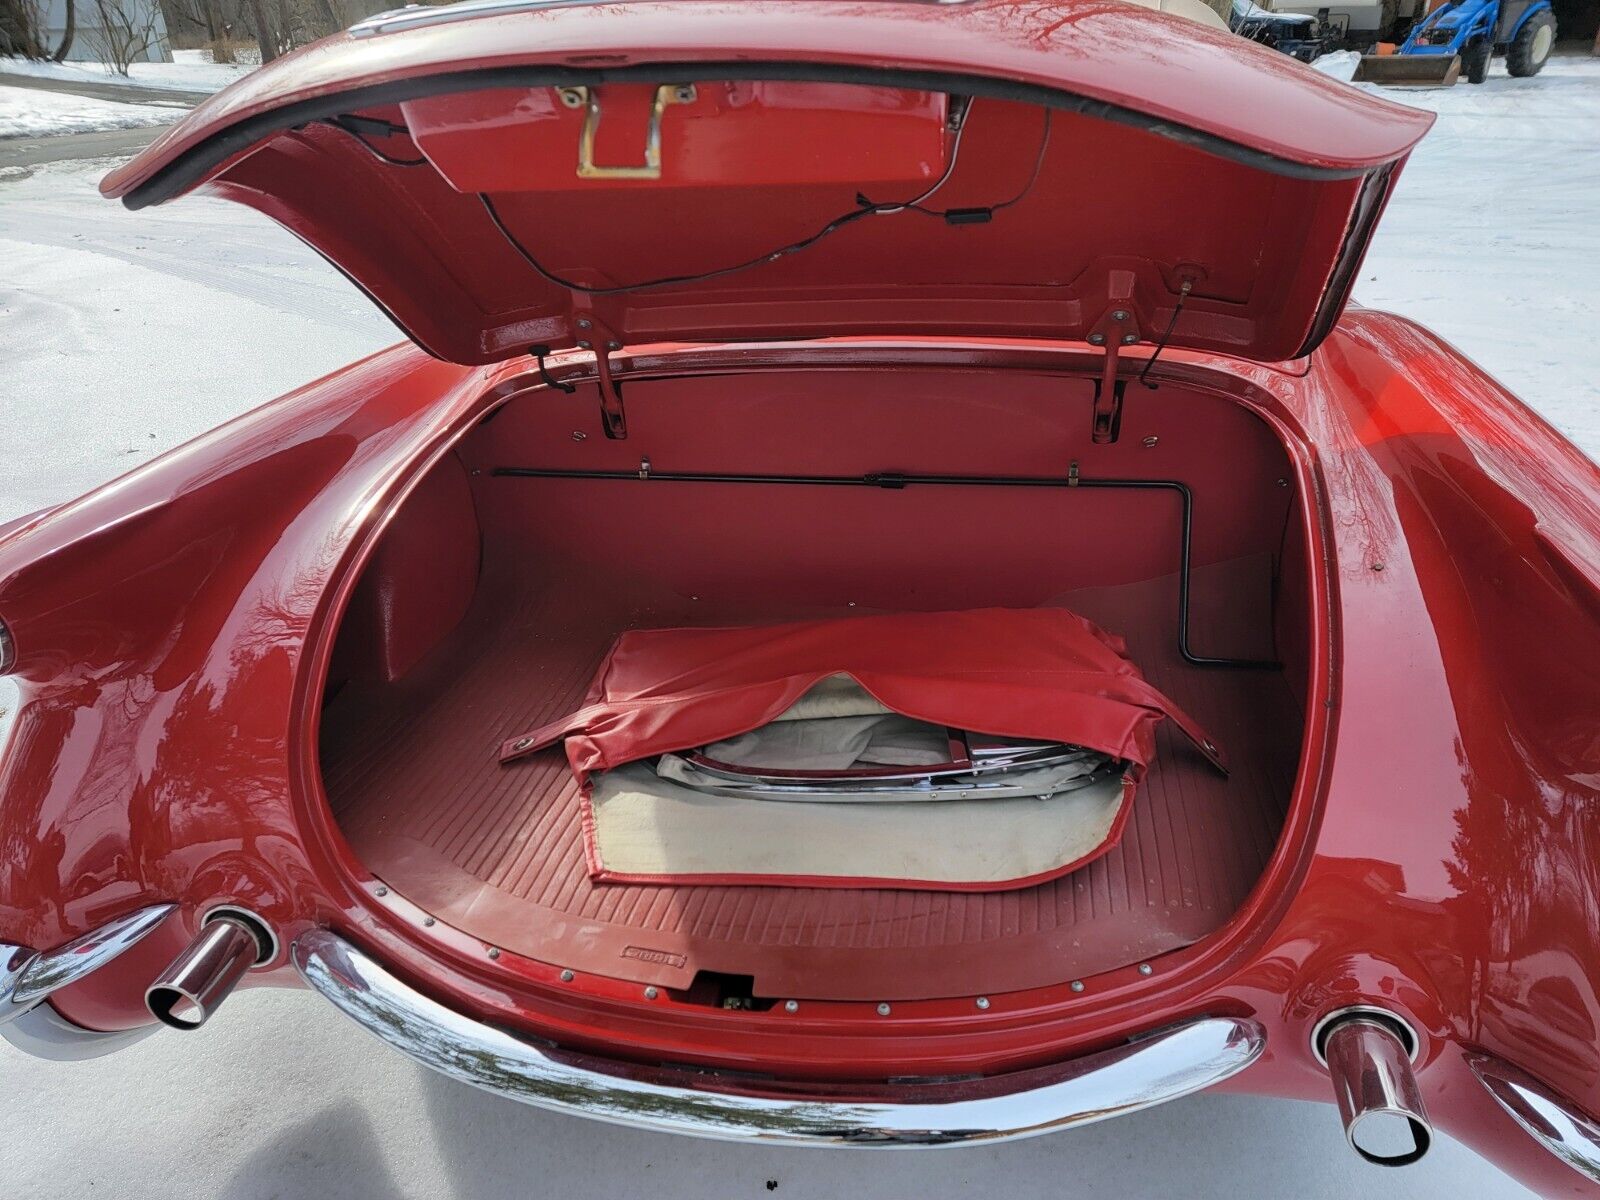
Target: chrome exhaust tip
x,y
1368,1054
229,943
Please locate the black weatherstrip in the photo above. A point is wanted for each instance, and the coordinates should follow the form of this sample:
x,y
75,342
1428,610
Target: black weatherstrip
x,y
194,164
1363,219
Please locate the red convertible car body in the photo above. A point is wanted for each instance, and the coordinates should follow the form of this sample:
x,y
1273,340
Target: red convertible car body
x,y
732,313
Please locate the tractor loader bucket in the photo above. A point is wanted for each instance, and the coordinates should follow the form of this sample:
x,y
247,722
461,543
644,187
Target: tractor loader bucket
x,y
1409,70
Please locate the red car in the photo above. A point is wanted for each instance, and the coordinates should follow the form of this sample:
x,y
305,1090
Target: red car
x,y
723,314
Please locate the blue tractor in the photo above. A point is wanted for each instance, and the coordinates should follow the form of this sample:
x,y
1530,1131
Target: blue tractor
x,y
1460,37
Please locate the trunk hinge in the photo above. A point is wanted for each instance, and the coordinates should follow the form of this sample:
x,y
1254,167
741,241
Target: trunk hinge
x,y
594,336
1117,327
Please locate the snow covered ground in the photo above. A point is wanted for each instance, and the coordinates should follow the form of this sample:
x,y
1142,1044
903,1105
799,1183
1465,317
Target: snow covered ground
x,y
189,70
1493,237
25,112
127,333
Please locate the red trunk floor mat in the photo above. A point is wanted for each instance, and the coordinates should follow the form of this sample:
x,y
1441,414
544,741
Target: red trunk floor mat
x,y
414,781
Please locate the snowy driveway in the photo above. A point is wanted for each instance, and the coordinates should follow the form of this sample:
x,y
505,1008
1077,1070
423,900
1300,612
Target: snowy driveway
x,y
33,112
125,334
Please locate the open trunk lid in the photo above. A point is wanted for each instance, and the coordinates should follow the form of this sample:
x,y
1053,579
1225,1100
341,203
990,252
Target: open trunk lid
x,y
501,176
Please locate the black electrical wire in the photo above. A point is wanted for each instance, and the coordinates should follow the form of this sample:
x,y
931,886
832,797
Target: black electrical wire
x,y
990,209
1172,323
866,209
342,125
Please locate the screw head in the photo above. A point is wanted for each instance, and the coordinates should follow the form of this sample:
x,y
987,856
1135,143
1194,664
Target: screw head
x,y
684,94
1377,566
382,891
982,1002
791,1006
566,977
883,1010
583,322
1129,339
1077,985
427,920
1146,969
579,435
583,344
1097,339
650,993
1151,441
494,951
613,345
1120,314
522,743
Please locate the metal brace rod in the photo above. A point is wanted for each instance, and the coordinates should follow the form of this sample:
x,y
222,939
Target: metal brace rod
x,y
896,480
596,337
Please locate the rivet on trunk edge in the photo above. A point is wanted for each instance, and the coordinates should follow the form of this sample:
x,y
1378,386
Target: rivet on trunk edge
x,y
650,993
791,1006
427,920
382,891
1077,985
983,1002
494,951
883,1010
1146,969
566,977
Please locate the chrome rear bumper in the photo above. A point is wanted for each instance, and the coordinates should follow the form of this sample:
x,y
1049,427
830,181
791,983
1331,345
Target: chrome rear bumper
x,y
1163,1066
27,977
1554,1123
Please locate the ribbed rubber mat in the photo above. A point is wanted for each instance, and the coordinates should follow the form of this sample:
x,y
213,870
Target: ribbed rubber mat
x,y
415,784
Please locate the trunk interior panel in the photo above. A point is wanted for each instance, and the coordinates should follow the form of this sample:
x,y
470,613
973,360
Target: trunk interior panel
x,y
491,600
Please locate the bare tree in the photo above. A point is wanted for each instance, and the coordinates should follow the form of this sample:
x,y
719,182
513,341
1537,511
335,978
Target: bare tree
x,y
266,36
20,24
68,32
216,35
126,33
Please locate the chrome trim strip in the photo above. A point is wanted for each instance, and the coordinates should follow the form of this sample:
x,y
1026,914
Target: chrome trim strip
x,y
1163,1066
1554,1123
26,977
44,1033
413,16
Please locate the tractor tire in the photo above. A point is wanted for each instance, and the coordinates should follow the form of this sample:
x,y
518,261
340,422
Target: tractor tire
x,y
1530,49
1475,60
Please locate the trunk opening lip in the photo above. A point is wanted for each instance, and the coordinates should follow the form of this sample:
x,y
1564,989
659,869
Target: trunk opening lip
x,y
531,996
1162,1065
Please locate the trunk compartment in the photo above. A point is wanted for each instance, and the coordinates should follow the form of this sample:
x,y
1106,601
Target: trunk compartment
x,y
492,597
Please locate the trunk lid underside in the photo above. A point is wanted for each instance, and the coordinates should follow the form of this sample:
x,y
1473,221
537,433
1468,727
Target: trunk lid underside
x,y
596,174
